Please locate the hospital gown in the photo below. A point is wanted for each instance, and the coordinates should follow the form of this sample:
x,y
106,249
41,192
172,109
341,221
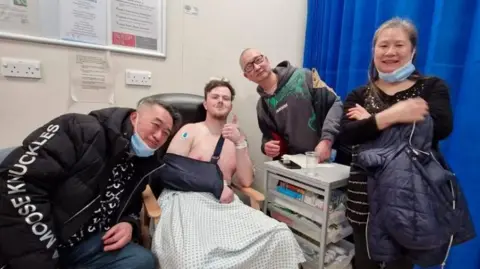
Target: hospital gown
x,y
196,231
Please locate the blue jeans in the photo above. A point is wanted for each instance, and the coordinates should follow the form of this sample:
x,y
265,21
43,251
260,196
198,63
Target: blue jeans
x,y
90,255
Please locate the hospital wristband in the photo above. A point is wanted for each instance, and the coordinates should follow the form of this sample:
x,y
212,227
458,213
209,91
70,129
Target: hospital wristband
x,y
241,145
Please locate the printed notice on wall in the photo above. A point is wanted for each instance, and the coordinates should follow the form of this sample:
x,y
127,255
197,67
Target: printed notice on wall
x,y
83,21
91,79
135,23
19,16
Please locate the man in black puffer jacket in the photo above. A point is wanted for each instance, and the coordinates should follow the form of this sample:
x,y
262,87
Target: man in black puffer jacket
x,y
70,196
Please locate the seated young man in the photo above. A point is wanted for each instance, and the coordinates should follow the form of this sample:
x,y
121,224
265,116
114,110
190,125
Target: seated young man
x,y
195,230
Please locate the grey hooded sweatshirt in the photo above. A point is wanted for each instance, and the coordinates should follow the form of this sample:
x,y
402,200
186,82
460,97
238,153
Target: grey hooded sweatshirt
x,y
297,112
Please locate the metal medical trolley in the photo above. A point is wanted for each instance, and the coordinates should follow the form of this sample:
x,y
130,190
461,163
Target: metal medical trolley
x,y
327,178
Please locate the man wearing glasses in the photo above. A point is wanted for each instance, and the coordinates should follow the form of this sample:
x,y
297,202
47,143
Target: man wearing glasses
x,y
294,115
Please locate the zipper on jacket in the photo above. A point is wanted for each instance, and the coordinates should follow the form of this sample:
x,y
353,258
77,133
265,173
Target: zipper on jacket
x,y
83,209
134,189
366,237
451,237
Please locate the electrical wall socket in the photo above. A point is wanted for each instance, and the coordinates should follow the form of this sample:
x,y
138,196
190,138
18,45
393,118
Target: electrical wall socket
x,y
21,68
138,77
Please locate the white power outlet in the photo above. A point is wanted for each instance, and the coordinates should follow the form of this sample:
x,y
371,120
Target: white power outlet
x,y
138,77
21,68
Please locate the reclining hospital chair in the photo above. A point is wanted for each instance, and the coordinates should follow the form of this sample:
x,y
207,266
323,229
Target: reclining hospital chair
x,y
191,109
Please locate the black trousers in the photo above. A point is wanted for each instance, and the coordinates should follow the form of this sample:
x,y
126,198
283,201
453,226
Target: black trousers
x,y
361,260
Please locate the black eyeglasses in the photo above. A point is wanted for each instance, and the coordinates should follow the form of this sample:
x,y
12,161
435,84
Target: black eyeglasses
x,y
257,60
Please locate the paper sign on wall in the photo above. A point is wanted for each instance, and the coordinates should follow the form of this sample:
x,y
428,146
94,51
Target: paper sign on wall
x,y
135,23
91,78
83,21
20,16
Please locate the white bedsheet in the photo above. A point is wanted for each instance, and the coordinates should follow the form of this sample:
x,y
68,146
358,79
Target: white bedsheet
x,y
196,231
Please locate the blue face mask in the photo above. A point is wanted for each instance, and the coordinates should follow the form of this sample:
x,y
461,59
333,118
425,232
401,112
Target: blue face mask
x,y
139,147
398,75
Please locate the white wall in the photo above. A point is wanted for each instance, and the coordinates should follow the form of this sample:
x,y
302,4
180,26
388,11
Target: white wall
x,y
198,47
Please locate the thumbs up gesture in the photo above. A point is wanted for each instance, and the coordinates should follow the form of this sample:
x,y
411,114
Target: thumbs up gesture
x,y
231,132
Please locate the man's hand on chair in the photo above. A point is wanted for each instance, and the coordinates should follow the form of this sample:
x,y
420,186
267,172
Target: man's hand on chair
x,y
118,236
227,195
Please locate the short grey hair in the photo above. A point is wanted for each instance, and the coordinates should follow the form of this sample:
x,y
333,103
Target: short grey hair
x,y
155,100
243,53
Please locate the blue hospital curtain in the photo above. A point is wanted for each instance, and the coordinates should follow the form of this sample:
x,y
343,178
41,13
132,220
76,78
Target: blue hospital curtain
x,y
338,43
